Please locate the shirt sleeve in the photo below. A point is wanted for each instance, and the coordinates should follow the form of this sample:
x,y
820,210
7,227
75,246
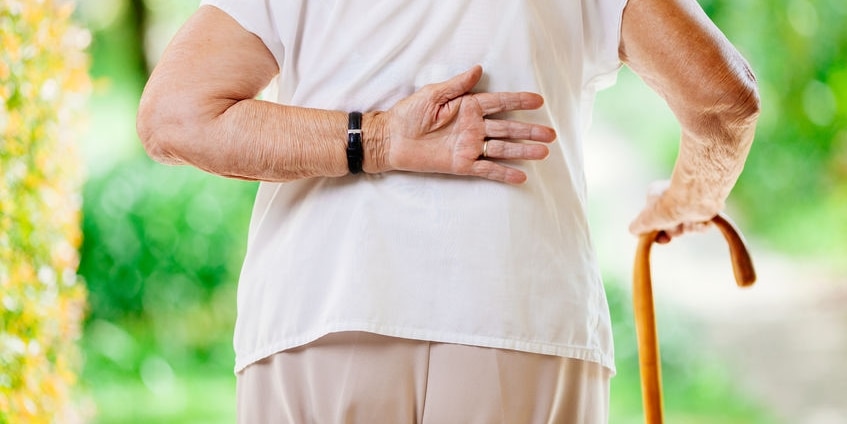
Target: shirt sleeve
x,y
602,35
256,17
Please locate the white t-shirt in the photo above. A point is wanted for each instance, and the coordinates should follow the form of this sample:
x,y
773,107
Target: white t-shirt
x,y
423,256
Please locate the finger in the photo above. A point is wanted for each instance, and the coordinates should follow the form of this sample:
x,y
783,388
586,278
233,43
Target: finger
x,y
497,172
492,103
456,86
638,226
651,220
696,227
641,226
499,149
503,129
674,231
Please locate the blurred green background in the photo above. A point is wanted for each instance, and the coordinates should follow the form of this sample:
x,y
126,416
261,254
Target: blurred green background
x,y
163,245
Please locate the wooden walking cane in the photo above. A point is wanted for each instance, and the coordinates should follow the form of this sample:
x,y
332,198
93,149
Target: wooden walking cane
x,y
645,319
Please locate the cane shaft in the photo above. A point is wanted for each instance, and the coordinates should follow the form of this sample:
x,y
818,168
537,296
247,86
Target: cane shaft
x,y
645,330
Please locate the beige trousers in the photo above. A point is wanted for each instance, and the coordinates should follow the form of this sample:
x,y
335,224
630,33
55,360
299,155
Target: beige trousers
x,y
364,378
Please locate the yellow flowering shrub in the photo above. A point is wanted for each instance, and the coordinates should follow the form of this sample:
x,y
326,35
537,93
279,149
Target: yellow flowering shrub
x,y
43,87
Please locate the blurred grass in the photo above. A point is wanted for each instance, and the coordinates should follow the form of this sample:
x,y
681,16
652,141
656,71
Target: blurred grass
x,y
132,380
696,389
162,251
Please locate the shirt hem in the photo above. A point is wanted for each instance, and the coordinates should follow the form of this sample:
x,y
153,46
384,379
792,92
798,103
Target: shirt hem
x,y
545,348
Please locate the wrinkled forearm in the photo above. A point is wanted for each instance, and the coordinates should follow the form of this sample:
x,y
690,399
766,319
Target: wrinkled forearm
x,y
258,140
707,169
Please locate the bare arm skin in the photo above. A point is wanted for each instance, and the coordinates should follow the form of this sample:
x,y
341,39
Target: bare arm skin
x,y
198,108
676,49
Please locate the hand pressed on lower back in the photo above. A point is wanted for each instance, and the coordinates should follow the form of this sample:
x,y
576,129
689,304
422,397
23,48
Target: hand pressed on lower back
x,y
442,127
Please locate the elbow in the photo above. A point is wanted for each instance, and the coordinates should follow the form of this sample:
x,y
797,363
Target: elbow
x,y
729,110
739,104
748,103
163,129
146,122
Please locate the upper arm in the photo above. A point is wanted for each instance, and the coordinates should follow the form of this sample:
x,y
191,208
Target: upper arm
x,y
677,50
211,63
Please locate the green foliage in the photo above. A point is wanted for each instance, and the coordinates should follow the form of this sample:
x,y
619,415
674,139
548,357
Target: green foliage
x,y
134,380
160,239
161,257
795,181
796,178
43,84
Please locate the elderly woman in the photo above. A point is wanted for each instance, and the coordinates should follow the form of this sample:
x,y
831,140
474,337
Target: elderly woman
x,y
419,250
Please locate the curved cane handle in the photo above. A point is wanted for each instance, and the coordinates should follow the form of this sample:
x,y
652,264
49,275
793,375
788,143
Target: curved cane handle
x,y
645,318
742,265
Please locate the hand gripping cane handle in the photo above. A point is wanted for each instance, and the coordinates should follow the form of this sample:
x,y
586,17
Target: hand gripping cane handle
x,y
645,319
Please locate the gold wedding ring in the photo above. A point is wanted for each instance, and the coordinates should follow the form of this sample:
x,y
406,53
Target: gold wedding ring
x,y
485,149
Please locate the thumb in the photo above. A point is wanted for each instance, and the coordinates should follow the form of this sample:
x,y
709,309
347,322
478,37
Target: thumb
x,y
652,218
458,85
638,226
